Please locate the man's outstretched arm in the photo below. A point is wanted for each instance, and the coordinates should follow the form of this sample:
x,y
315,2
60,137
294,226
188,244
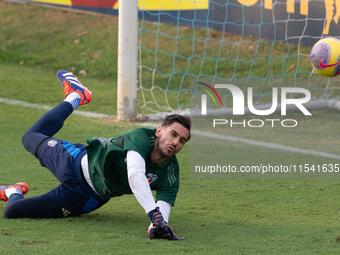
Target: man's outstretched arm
x,y
141,189
138,181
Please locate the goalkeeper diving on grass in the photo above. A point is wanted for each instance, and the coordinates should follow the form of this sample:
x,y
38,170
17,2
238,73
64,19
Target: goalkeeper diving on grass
x,y
135,162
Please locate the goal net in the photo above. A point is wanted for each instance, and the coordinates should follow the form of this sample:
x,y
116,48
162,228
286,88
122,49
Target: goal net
x,y
257,43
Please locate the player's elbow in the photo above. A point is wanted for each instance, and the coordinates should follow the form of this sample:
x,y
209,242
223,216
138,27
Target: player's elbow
x,y
135,177
135,171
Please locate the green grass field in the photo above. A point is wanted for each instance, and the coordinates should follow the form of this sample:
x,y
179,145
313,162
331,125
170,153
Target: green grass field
x,y
216,216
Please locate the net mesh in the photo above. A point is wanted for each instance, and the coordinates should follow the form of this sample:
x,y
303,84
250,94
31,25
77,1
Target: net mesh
x,y
251,43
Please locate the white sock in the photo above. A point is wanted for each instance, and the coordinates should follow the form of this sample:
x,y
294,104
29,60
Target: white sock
x,y
10,191
73,98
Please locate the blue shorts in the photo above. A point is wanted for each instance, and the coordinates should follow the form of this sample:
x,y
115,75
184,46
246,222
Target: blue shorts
x,y
73,196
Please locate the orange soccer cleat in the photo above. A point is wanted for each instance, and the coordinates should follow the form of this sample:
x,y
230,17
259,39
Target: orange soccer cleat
x,y
22,186
72,84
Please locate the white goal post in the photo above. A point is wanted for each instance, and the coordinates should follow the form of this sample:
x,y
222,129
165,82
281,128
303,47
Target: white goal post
x,y
127,60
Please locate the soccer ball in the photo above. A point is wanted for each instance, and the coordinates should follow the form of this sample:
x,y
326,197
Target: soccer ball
x,y
325,57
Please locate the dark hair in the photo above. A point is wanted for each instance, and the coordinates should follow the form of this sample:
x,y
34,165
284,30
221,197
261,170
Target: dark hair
x,y
183,120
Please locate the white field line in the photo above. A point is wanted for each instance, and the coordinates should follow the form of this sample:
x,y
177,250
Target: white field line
x,y
256,143
195,132
267,145
46,107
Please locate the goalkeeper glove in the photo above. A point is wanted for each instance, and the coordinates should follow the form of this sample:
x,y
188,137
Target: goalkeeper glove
x,y
160,228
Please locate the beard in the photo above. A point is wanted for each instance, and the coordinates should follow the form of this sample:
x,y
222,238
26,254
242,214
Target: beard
x,y
160,152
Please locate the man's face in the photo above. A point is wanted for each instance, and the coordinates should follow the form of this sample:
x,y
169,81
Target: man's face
x,y
171,139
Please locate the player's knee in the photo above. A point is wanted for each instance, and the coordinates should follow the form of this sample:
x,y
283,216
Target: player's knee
x,y
32,141
11,212
25,139
27,142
